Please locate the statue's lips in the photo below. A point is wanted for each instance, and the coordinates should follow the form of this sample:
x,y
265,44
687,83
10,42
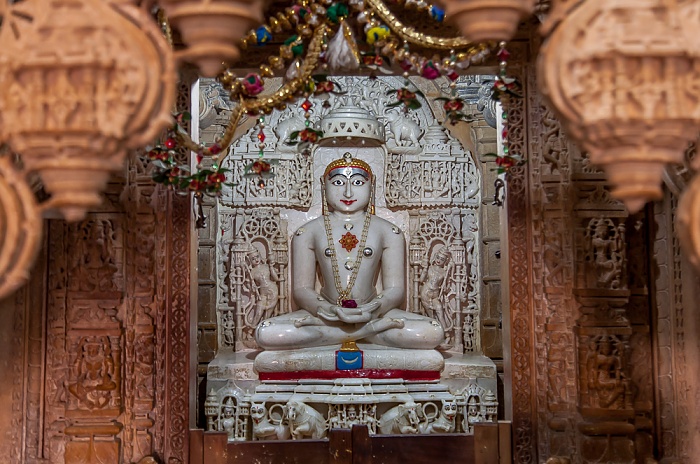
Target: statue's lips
x,y
348,202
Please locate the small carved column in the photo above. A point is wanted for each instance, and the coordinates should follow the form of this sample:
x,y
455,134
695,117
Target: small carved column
x,y
602,331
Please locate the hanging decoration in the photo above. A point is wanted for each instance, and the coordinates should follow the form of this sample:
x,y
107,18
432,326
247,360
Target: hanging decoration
x,y
481,20
505,87
620,75
211,28
80,84
321,37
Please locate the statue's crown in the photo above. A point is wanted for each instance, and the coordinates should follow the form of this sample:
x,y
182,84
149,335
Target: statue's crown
x,y
347,161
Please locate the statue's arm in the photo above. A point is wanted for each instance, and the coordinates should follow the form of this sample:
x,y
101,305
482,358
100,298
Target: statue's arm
x,y
393,271
304,275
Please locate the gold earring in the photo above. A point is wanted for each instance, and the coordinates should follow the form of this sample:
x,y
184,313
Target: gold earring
x,y
372,196
324,204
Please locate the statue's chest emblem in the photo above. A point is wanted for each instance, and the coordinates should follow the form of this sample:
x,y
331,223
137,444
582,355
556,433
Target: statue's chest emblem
x,y
349,241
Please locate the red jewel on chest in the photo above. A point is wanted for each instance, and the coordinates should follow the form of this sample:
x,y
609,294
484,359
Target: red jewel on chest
x,y
349,241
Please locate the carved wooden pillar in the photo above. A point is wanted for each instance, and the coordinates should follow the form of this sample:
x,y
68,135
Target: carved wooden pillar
x,y
603,331
552,200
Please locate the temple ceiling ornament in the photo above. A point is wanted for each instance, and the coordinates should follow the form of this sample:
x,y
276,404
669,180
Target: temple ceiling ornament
x,y
621,78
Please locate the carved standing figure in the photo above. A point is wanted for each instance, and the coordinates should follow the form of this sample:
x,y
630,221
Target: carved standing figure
x,y
265,278
227,422
607,253
349,246
432,291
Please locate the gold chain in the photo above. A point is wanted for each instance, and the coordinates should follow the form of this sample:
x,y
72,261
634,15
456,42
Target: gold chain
x,y
344,293
409,34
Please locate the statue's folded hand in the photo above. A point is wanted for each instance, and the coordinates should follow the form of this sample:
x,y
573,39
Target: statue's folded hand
x,y
354,315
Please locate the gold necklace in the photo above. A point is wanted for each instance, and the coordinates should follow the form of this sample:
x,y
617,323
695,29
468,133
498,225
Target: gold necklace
x,y
344,293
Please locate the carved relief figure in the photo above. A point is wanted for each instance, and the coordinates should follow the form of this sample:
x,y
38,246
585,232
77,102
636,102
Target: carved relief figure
x,y
228,328
264,277
445,422
401,419
304,421
606,252
473,414
94,267
606,379
143,347
405,131
469,332
433,292
95,373
349,245
227,421
266,428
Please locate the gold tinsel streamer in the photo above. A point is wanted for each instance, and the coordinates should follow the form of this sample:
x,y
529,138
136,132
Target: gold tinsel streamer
x,y
267,104
409,34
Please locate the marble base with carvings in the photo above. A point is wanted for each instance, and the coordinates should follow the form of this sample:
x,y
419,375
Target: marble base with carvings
x,y
248,408
375,357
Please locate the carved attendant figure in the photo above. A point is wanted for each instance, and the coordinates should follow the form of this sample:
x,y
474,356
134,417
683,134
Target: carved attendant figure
x,y
349,246
605,375
264,276
431,292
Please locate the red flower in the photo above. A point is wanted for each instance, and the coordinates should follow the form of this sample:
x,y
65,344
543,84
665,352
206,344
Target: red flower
x,y
173,174
215,149
429,71
453,105
406,65
505,162
260,166
348,304
216,177
158,154
308,135
195,185
324,87
405,95
252,84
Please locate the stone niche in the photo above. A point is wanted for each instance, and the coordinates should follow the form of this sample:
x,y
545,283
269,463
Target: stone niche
x,y
433,182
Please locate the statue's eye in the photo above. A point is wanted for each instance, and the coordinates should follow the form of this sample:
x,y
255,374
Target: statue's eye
x,y
338,182
357,182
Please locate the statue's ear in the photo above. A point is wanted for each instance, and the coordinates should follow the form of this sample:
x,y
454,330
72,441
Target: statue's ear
x,y
402,409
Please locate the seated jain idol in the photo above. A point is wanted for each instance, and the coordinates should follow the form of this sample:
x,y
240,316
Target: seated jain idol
x,y
350,249
330,315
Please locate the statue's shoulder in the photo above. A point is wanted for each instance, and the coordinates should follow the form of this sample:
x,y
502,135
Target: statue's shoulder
x,y
388,229
312,227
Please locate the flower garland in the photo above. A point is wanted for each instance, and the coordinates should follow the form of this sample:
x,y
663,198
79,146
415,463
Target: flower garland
x,y
308,48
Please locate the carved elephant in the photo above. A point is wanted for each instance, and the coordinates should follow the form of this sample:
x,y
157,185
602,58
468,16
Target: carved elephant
x,y
285,127
405,130
401,419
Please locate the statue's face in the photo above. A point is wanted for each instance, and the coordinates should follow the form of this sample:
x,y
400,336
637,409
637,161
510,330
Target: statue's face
x,y
347,194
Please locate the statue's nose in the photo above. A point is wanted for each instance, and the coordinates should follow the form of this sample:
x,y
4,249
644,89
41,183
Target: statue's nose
x,y
348,190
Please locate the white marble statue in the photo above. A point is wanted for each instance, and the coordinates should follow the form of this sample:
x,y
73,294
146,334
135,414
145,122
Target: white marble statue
x,y
349,246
